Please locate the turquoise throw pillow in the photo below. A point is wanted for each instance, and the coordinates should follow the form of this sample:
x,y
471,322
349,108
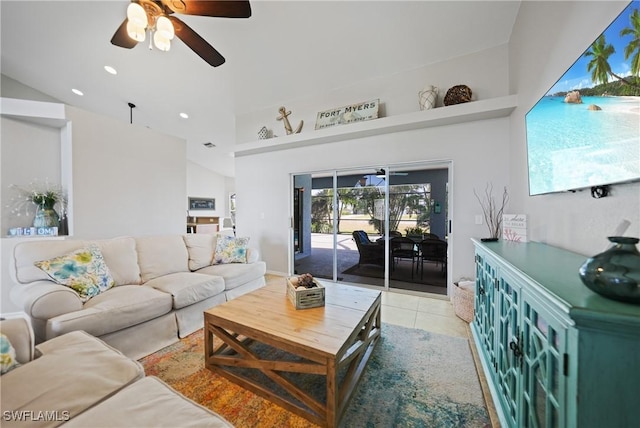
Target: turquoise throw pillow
x,y
230,250
83,270
7,355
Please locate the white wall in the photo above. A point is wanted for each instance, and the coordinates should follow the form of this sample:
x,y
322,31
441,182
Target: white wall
x,y
11,88
486,73
204,183
548,37
30,156
479,151
127,180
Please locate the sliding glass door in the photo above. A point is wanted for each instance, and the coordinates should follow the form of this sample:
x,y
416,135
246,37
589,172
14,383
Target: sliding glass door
x,y
344,223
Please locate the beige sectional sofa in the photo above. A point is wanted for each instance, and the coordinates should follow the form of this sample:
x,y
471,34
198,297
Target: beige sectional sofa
x,y
77,380
162,286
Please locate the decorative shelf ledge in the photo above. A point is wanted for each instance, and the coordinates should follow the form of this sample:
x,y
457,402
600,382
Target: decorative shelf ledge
x,y
460,113
40,112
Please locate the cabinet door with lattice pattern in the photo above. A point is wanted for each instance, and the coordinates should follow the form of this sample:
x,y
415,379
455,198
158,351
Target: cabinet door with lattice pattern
x,y
509,347
484,306
544,366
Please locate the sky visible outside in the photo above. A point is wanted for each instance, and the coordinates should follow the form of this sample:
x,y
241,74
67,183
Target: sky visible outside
x,y
577,77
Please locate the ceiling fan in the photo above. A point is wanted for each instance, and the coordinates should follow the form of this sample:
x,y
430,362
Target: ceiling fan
x,y
155,16
380,173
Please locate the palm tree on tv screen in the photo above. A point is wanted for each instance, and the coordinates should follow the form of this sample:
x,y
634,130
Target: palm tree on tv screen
x,y
632,50
600,51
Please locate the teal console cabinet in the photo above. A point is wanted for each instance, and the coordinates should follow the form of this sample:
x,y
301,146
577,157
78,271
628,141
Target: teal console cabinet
x,y
554,353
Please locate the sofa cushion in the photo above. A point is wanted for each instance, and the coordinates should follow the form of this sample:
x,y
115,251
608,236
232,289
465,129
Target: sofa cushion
x,y
149,402
188,288
75,372
230,250
236,274
161,255
122,258
201,247
82,270
118,308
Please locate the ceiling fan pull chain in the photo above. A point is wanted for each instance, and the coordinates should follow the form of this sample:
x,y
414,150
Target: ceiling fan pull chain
x,y
150,39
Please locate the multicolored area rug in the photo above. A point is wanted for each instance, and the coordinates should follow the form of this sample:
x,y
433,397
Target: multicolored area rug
x,y
414,379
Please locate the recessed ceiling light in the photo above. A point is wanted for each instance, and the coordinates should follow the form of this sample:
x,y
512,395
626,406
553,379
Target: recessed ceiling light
x,y
77,91
184,115
110,69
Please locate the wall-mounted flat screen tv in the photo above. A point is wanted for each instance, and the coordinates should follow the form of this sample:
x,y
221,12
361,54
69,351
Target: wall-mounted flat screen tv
x,y
585,131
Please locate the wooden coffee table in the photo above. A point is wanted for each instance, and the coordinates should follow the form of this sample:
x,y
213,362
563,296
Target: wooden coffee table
x,y
334,341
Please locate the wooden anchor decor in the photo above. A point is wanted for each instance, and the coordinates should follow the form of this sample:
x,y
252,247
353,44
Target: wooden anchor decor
x,y
287,126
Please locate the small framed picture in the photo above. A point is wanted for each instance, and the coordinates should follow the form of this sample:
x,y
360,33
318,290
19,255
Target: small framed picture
x,y
202,203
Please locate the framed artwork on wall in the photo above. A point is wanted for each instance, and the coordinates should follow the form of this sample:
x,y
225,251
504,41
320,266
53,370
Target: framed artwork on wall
x,y
202,203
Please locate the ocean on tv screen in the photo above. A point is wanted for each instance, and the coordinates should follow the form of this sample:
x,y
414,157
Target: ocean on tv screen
x,y
572,147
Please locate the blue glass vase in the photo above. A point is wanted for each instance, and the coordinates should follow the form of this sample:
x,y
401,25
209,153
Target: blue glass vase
x,y
46,217
615,273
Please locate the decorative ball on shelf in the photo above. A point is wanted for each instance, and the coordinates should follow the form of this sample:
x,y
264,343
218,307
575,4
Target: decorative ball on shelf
x,y
457,95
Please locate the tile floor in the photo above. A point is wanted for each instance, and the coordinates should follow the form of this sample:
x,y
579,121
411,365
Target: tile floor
x,y
433,314
426,313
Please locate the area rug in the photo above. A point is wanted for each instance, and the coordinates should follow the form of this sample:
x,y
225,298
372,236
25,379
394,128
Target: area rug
x,y
415,378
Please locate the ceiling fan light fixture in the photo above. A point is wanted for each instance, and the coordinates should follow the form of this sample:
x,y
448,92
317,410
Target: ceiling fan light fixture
x,y
136,32
165,28
137,15
161,42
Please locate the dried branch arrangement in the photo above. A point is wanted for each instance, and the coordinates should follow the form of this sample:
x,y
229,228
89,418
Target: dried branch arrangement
x,y
492,211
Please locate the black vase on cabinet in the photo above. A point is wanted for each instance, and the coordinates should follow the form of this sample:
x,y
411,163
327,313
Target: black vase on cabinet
x,y
615,273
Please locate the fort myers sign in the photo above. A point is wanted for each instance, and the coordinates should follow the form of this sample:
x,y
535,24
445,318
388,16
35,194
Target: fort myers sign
x,y
348,114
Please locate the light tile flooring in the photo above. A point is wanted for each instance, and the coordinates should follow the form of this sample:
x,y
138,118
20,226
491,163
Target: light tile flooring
x,y
431,314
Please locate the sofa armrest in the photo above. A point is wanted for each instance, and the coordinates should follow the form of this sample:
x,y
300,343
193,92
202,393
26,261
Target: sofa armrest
x,y
45,299
20,335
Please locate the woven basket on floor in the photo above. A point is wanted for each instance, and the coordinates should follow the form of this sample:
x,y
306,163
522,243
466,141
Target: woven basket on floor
x,y
462,300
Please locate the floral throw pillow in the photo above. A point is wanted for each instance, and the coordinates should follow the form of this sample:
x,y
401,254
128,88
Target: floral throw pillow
x,y
83,270
230,250
7,355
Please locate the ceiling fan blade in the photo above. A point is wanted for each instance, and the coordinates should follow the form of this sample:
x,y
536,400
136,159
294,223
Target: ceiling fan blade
x,y
381,172
216,8
196,43
121,38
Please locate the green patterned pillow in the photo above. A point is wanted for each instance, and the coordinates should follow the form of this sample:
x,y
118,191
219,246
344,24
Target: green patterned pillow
x,y
230,250
83,270
7,355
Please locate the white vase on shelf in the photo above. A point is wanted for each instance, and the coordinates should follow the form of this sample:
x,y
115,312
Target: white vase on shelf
x,y
428,97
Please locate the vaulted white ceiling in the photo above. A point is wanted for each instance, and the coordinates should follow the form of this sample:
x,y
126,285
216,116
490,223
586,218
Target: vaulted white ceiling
x,y
287,50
